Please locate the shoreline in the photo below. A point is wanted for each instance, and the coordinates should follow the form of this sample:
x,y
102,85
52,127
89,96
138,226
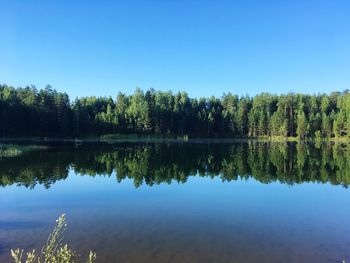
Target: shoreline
x,y
185,139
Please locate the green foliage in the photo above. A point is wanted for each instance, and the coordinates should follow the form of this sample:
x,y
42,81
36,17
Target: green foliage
x,y
31,112
53,251
318,139
138,111
302,128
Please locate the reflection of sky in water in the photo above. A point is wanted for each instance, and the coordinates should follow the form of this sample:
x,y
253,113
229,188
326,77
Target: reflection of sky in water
x,y
202,220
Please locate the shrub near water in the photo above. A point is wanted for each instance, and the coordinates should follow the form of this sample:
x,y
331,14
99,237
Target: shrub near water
x,y
54,251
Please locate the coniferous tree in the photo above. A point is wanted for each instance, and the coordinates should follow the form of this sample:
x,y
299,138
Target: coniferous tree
x,y
47,112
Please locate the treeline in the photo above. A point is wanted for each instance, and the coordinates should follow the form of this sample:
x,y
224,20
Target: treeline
x,y
46,112
153,164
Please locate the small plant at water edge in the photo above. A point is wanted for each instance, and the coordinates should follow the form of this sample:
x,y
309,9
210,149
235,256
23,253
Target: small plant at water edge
x,y
53,251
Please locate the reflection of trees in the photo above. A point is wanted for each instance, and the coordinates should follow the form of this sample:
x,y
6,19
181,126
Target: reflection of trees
x,y
34,168
164,163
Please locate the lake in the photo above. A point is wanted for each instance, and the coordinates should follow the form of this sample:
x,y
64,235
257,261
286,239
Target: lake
x,y
180,202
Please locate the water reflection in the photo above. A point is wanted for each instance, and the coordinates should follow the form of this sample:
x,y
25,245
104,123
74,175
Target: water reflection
x,y
165,163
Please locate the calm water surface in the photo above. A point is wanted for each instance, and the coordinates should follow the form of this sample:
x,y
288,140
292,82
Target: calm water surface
x,y
200,202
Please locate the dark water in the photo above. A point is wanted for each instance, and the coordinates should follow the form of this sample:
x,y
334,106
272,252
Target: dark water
x,y
199,202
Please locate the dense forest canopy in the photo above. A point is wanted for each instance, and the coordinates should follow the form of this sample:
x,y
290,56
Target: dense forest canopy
x,y
46,112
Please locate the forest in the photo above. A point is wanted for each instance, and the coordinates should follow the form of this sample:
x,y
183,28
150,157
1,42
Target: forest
x,y
46,112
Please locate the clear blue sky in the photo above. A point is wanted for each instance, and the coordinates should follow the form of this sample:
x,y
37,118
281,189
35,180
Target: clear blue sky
x,y
202,47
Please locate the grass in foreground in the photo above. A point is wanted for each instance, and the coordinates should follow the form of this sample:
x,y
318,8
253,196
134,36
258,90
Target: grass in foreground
x,y
53,251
